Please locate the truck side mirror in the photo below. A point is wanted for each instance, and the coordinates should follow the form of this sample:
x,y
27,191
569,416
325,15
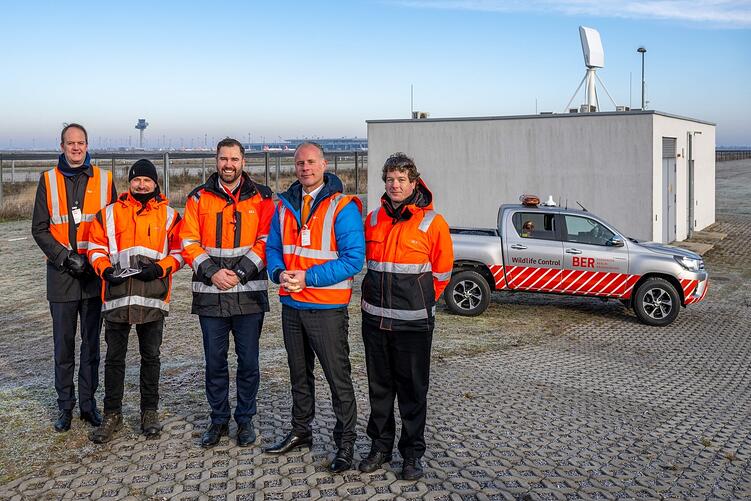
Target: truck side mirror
x,y
615,241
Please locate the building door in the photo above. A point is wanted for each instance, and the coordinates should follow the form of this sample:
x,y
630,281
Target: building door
x,y
668,189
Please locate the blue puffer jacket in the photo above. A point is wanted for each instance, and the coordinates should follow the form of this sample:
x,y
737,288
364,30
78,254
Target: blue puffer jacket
x,y
350,242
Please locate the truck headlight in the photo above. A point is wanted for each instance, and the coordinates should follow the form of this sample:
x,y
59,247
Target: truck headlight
x,y
689,263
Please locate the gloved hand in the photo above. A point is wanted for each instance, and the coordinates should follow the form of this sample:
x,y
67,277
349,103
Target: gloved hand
x,y
75,264
109,276
150,271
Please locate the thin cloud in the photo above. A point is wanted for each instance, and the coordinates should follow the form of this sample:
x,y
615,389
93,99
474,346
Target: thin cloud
x,y
720,13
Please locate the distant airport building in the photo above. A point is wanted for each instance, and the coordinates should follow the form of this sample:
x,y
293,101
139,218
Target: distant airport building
x,y
328,144
650,174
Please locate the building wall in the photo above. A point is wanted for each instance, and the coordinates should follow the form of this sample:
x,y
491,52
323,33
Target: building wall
x,y
704,174
474,165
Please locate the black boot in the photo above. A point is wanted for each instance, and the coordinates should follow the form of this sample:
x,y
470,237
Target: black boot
x,y
374,461
64,418
213,434
290,442
343,460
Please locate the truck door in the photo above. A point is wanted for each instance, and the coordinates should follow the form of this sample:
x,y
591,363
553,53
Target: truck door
x,y
592,265
533,257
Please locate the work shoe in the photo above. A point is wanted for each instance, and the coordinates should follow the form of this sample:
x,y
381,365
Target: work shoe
x,y
112,423
412,469
64,418
290,442
374,461
343,460
150,425
93,417
213,434
246,434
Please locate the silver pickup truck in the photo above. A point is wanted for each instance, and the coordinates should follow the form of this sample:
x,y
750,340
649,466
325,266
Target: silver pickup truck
x,y
539,248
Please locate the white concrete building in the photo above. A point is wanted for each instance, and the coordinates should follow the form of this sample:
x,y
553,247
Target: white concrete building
x,y
633,168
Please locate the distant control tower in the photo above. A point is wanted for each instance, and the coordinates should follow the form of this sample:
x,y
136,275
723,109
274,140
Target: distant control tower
x,y
141,126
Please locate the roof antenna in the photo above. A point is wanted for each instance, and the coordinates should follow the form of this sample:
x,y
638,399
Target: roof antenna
x,y
580,205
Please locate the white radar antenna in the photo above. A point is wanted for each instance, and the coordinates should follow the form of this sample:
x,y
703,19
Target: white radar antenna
x,y
594,57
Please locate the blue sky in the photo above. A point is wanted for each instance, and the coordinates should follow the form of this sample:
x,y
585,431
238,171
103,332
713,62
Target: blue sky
x,y
287,69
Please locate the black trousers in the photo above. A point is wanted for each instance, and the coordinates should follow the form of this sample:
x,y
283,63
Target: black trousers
x,y
64,317
149,341
323,334
398,364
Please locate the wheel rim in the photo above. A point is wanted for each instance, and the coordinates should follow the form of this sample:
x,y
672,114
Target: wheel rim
x,y
467,295
657,303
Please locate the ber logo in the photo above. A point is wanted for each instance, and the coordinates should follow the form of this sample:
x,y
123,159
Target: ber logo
x,y
584,262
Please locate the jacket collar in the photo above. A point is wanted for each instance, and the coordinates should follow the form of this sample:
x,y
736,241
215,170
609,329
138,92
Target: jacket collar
x,y
68,171
247,188
421,199
293,196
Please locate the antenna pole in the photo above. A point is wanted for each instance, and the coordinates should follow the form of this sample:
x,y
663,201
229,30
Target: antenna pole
x,y
411,100
575,93
608,93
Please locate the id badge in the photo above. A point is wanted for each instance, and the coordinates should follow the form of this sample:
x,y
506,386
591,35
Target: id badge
x,y
305,237
76,215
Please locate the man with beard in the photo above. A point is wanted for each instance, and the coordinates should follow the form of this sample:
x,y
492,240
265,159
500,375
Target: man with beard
x,y
409,259
67,199
139,232
224,240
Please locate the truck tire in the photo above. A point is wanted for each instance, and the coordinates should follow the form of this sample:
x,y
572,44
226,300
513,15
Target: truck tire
x,y
467,294
656,302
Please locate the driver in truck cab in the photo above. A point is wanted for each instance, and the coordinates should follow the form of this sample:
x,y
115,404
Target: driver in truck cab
x,y
410,258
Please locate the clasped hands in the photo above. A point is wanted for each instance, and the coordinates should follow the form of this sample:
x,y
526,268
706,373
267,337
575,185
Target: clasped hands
x,y
225,279
292,281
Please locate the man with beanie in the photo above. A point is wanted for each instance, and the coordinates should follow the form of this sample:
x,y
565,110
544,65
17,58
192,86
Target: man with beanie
x,y
134,246
224,240
67,198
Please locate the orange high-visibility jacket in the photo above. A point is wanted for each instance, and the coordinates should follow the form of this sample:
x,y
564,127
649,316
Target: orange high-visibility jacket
x,y
221,232
322,248
409,258
126,235
98,196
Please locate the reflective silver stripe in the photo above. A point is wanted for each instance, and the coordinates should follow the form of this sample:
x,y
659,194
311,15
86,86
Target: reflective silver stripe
x,y
229,252
251,286
282,214
374,217
170,217
148,302
92,245
256,260
399,267
82,245
55,217
197,261
178,257
328,222
186,242
396,314
109,222
426,221
311,253
345,284
103,192
87,218
124,257
96,255
442,276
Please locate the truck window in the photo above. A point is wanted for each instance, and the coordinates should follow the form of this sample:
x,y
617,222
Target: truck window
x,y
584,230
535,225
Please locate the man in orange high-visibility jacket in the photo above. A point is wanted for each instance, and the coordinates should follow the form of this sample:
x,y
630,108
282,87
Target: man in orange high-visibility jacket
x,y
409,257
224,239
137,232
315,247
67,199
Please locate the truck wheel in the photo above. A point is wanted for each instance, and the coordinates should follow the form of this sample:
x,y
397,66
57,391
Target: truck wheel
x,y
656,302
467,294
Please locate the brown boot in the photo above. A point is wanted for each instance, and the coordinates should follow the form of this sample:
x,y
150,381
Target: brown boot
x,y
150,425
112,423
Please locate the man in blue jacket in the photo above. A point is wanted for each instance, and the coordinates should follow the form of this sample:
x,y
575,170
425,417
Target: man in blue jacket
x,y
315,246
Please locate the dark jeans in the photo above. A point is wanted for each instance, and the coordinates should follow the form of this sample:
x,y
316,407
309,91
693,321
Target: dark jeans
x,y
321,333
149,341
247,331
398,364
64,317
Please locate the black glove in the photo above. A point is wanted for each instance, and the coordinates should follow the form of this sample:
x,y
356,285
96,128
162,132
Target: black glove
x,y
75,264
109,276
150,271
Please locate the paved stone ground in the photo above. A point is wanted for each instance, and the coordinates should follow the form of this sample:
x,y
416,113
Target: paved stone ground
x,y
609,409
